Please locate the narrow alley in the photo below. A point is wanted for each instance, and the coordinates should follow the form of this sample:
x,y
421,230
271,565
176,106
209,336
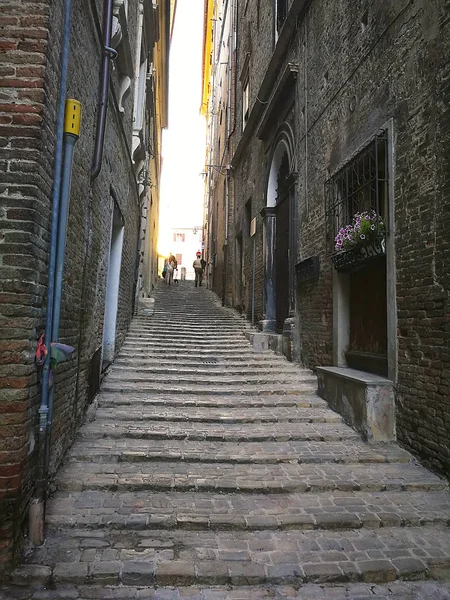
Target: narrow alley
x,y
211,471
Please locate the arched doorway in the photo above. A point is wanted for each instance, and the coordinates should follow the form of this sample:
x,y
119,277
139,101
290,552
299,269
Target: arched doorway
x,y
279,238
282,246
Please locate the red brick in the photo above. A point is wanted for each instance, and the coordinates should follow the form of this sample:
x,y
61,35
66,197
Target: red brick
x,y
21,108
21,214
35,95
7,71
13,407
13,469
26,119
33,45
6,21
10,483
27,71
19,58
7,45
18,382
25,33
37,20
22,83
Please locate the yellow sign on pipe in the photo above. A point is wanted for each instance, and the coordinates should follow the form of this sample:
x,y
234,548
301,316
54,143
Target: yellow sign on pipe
x,y
72,117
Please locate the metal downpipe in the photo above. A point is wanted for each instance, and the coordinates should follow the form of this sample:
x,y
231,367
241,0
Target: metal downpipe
x,y
37,505
71,133
108,54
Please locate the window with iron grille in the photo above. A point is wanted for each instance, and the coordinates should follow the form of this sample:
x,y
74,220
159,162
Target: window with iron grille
x,y
361,186
179,258
281,13
245,102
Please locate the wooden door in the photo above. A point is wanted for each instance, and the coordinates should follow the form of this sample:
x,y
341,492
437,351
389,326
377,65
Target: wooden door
x,y
282,262
368,319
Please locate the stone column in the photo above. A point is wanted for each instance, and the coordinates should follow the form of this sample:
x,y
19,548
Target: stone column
x,y
269,322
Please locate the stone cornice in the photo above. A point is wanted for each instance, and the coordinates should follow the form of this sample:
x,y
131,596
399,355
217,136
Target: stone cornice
x,y
298,9
286,81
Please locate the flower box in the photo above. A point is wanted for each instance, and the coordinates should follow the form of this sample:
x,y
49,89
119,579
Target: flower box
x,y
358,256
360,242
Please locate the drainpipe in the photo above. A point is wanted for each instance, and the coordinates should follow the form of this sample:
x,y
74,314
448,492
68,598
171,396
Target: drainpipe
x,y
225,246
253,279
212,216
230,7
71,135
230,68
36,514
108,54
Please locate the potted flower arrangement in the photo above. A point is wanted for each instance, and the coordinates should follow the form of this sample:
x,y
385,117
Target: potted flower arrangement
x,y
361,240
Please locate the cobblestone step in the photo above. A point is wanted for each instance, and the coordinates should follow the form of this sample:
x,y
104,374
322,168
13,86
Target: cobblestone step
x,y
142,366
108,399
225,477
260,432
126,387
180,557
210,415
136,450
203,341
195,320
217,347
397,590
181,334
216,379
199,354
180,482
230,360
169,330
200,511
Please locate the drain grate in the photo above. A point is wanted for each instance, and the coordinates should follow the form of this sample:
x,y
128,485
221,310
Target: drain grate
x,y
210,361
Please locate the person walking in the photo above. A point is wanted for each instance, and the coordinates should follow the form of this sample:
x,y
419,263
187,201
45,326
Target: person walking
x,y
172,260
198,268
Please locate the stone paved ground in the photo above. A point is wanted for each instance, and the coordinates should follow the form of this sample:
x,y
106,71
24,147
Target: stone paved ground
x,y
213,472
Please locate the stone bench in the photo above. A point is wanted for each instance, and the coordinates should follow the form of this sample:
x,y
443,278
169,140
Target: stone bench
x,y
365,401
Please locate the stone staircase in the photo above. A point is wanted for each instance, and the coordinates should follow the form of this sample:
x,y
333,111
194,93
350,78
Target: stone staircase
x,y
213,472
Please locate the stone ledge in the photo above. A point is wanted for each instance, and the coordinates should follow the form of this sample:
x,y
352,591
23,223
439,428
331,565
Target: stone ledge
x,y
146,307
262,341
365,401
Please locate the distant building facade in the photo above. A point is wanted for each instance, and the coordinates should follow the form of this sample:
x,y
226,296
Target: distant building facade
x,y
185,242
319,112
117,70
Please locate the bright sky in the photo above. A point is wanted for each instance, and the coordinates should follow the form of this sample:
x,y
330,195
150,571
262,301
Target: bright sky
x,y
182,187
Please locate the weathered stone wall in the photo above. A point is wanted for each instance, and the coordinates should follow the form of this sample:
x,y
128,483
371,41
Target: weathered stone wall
x,y
361,66
30,67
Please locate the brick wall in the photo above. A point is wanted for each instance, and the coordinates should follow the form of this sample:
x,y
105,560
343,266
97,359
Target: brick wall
x,y
24,218
361,66
30,79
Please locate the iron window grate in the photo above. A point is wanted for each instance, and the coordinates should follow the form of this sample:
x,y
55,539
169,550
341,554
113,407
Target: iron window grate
x,y
360,185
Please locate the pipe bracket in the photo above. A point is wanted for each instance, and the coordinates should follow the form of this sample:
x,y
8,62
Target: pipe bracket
x,y
114,54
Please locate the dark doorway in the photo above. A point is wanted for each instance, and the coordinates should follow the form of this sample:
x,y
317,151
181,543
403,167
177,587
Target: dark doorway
x,y
368,319
239,271
282,241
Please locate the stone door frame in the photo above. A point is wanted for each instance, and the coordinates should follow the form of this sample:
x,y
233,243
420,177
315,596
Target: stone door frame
x,y
341,316
283,144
